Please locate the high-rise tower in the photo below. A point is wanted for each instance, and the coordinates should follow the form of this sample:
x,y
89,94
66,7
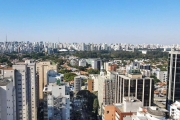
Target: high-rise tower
x,y
173,81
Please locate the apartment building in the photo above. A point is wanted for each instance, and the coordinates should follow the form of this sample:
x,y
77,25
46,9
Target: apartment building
x,y
96,64
94,77
110,66
42,68
106,88
56,102
133,84
77,83
7,99
162,76
7,72
26,90
90,86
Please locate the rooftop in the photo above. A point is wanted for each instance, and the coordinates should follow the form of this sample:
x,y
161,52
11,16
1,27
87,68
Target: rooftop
x,y
156,112
119,106
4,82
135,72
6,68
131,99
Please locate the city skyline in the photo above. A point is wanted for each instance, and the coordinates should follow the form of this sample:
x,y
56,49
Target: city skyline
x,y
91,21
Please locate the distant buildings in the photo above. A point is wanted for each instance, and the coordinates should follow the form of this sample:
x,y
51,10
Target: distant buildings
x,y
96,64
82,62
74,62
110,66
53,47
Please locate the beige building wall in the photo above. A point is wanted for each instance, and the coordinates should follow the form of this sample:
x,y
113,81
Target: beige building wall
x,y
42,68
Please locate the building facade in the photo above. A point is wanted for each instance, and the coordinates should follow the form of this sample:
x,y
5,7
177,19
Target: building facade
x,y
56,102
96,64
175,111
77,83
136,86
173,82
106,86
26,90
7,99
90,86
42,68
162,76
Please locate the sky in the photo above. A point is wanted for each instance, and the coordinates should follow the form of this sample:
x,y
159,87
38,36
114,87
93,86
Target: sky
x,y
91,21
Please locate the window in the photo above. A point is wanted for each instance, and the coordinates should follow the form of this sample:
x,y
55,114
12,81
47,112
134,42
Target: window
x,y
107,112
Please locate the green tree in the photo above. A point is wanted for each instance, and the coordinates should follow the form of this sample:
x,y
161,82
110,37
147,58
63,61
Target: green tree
x,y
155,79
93,71
69,76
95,105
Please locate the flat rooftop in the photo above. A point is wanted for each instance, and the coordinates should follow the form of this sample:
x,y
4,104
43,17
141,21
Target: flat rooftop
x,y
120,106
155,112
131,99
4,82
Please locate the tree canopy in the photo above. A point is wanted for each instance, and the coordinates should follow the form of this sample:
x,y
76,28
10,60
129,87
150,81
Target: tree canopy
x,y
69,76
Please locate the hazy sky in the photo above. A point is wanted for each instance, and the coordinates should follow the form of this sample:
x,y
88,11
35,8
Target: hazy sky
x,y
118,21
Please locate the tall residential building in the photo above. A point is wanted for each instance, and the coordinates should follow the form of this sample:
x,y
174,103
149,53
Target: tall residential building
x,y
162,76
56,102
77,83
96,64
7,99
90,86
106,88
133,85
42,69
173,81
26,90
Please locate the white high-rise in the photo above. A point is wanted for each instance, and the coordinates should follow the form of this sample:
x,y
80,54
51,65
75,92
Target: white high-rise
x,y
56,102
7,100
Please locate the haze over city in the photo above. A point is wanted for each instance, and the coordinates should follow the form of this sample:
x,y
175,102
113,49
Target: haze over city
x,y
90,21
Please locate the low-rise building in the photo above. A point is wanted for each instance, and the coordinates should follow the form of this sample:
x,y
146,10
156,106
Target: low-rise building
x,y
149,113
121,111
